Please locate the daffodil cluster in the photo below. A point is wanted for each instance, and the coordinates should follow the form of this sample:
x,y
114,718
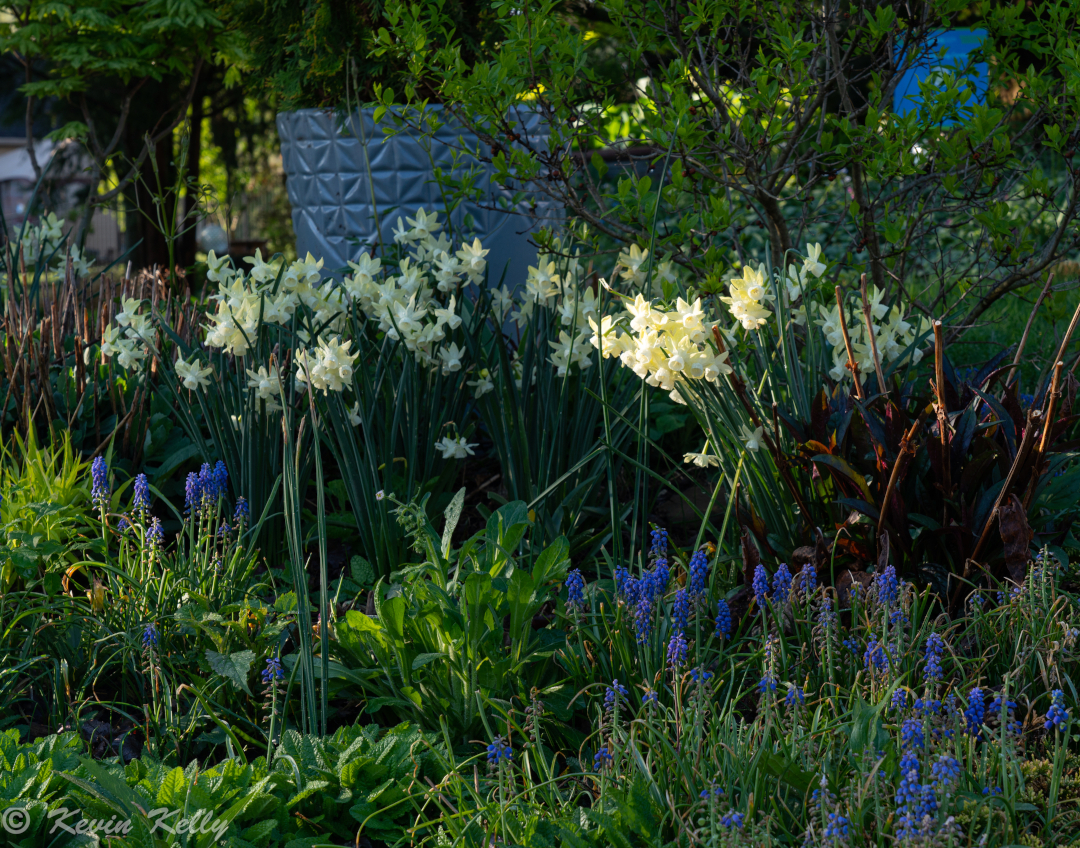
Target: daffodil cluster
x,y
664,348
893,334
417,305
129,337
421,302
559,283
329,367
246,300
43,243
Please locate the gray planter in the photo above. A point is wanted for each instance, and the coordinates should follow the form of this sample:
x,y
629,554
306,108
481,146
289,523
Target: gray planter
x,y
330,190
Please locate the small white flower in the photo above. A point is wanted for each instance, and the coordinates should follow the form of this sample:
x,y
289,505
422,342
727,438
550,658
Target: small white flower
x,y
482,384
380,495
423,225
703,459
813,262
753,439
451,357
192,375
472,259
454,448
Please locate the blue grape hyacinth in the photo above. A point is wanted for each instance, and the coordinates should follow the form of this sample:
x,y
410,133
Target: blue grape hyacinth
x,y
975,712
220,480
888,587
1057,717
935,647
723,619
875,657
699,573
192,493
659,545
99,474
761,585
242,513
575,589
781,583
150,636
155,535
627,586
141,502
614,695
680,610
499,751
676,650
273,670
945,772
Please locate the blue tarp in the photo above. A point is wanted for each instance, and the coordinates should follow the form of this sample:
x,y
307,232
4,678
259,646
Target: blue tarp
x,y
957,45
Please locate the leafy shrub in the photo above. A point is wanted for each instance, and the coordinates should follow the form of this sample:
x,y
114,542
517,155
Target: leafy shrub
x,y
453,638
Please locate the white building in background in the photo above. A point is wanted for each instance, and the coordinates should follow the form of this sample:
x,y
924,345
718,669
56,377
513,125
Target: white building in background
x,y
18,180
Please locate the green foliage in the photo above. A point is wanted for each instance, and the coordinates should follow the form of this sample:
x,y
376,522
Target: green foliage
x,y
45,507
86,41
311,792
303,53
456,634
764,128
767,735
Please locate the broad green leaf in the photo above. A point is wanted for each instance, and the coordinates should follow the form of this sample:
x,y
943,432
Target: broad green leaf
x,y
234,667
552,562
779,767
392,617
842,469
423,659
521,596
173,789
453,515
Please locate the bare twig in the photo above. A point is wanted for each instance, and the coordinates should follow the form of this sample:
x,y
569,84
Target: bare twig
x,y
1027,329
942,416
906,447
852,367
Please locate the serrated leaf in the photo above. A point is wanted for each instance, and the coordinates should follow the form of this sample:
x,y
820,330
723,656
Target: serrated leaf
x,y
234,667
259,834
173,789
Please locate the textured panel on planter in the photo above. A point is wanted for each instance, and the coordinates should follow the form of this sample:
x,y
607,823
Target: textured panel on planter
x,y
330,188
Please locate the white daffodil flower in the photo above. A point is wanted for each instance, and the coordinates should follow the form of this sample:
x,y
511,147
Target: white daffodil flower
x,y
703,459
752,439
482,384
192,375
454,448
813,263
